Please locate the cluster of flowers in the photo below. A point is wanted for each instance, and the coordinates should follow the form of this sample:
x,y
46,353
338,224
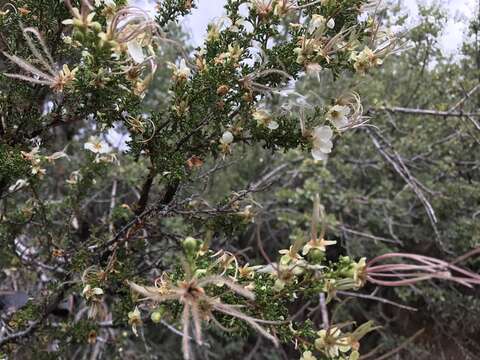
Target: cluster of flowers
x,y
319,42
129,31
210,277
37,160
201,288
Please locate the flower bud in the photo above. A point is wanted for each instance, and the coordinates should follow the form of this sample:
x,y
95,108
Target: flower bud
x,y
190,244
316,256
279,285
156,316
227,137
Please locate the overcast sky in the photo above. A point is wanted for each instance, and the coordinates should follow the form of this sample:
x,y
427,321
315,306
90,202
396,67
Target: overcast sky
x,y
460,12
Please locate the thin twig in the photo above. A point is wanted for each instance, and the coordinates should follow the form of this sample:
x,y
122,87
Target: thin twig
x,y
377,298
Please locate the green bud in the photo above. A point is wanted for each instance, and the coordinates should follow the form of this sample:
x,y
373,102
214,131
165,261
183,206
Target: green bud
x,y
316,256
156,316
190,244
96,26
355,355
77,35
279,285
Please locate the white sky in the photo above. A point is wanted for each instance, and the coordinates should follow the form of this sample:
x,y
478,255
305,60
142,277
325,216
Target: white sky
x,y
460,12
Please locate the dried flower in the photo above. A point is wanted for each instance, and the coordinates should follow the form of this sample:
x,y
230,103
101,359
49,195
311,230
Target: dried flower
x,y
247,272
283,7
222,90
130,29
181,72
213,32
423,268
262,7
359,270
57,80
64,78
74,177
92,337
194,162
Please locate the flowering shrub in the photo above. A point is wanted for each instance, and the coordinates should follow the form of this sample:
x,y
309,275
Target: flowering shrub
x,y
149,251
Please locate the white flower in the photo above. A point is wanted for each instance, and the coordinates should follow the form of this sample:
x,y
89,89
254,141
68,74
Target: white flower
x,y
307,355
135,319
365,60
331,342
338,115
184,69
319,244
227,138
91,293
235,27
18,185
263,118
57,155
331,23
322,142
317,22
96,145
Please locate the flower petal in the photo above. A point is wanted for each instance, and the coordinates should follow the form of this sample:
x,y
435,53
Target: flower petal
x,y
135,51
322,133
319,155
324,146
340,122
